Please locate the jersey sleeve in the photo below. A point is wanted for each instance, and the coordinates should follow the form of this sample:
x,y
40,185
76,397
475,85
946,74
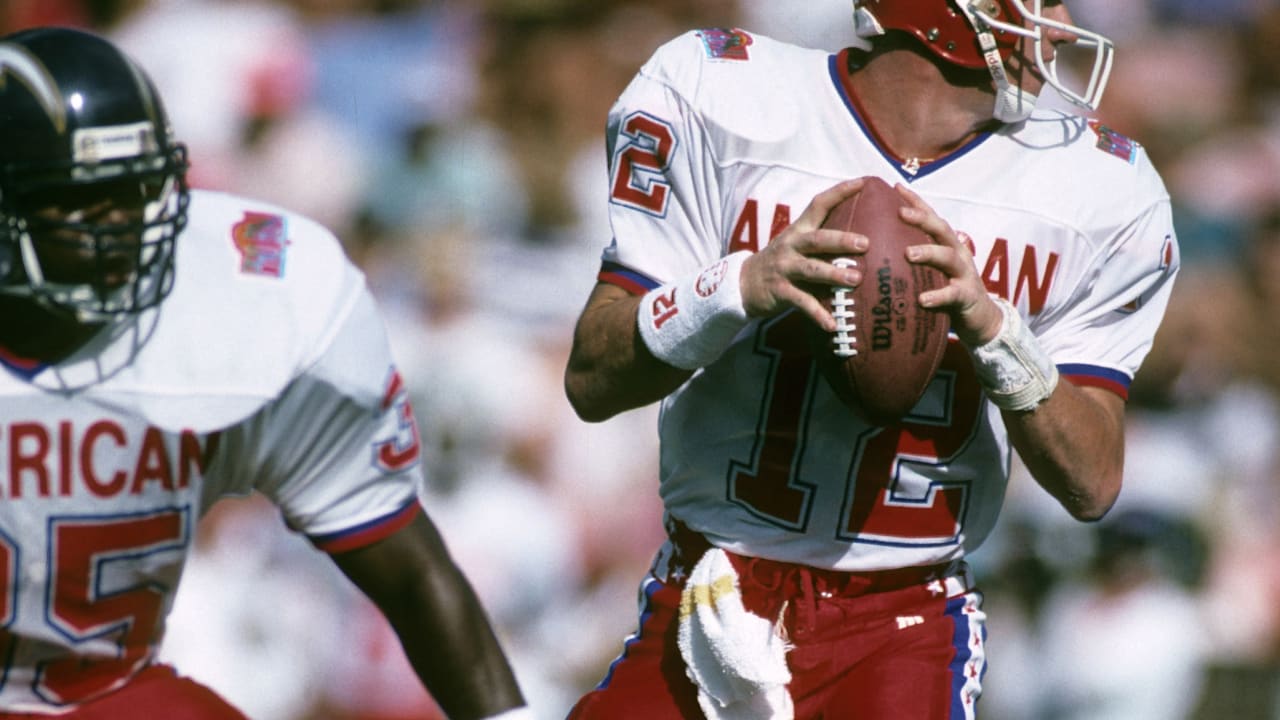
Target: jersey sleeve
x,y
1114,316
338,451
664,199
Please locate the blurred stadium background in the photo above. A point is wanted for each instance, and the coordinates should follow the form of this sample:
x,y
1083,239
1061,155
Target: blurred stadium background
x,y
456,147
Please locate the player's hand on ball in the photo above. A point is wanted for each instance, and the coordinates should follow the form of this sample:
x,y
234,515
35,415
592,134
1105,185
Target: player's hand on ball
x,y
774,279
975,317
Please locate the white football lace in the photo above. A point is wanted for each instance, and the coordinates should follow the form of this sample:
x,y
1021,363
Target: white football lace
x,y
844,341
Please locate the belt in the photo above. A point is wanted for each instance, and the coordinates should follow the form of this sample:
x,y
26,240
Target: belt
x,y
688,546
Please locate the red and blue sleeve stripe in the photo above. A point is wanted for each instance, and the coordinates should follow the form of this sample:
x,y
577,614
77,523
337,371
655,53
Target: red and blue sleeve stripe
x,y
626,278
1093,376
367,533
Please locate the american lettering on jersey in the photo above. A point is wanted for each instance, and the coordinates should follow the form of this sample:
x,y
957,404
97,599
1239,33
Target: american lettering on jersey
x,y
746,234
1029,284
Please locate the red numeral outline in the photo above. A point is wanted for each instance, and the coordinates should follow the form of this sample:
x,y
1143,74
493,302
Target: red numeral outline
x,y
80,603
9,561
883,505
641,164
770,486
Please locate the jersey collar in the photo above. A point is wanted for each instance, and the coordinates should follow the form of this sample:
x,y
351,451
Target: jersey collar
x,y
909,168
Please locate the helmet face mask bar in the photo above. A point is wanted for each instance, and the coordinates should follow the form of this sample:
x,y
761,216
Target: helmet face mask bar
x,y
1103,49
99,269
978,34
93,192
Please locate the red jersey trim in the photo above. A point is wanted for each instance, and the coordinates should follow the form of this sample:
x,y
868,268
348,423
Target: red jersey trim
x,y
369,532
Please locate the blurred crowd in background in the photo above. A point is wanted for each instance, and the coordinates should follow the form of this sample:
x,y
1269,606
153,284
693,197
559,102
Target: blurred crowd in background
x,y
457,149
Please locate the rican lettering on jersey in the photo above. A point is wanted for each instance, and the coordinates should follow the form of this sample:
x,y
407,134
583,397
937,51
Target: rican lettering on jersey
x,y
103,459
1112,142
725,43
261,240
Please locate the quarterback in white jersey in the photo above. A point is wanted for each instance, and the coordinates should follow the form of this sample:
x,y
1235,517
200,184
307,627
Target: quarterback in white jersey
x,y
161,348
1055,232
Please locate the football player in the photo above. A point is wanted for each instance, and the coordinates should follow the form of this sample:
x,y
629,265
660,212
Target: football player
x,y
815,565
164,347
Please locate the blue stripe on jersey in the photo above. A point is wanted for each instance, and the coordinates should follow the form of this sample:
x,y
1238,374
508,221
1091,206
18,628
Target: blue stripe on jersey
x,y
834,66
367,532
626,278
1091,375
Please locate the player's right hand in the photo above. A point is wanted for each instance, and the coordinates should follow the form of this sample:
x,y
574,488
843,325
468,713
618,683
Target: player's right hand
x,y
775,278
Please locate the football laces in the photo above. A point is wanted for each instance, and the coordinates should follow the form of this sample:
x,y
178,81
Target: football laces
x,y
844,341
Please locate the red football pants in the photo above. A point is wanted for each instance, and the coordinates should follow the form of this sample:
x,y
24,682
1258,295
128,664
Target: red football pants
x,y
862,652
156,692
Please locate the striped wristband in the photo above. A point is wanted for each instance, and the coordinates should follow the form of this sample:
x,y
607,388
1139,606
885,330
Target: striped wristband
x,y
688,324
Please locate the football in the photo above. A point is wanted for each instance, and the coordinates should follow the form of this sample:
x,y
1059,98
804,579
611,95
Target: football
x,y
886,348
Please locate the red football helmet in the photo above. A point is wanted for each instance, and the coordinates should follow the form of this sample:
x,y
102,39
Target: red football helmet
x,y
983,33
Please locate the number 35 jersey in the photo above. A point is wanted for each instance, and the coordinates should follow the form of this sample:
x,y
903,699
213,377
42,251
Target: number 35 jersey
x,y
717,145
267,369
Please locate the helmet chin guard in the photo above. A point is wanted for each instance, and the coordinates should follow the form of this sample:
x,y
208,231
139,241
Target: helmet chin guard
x,y
978,34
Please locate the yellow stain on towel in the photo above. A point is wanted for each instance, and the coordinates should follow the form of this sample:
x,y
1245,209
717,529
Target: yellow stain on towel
x,y
706,595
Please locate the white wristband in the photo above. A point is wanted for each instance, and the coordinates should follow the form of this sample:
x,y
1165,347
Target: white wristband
x,y
520,713
688,324
1015,371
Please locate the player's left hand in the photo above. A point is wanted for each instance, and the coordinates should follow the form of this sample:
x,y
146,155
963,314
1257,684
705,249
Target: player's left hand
x,y
975,317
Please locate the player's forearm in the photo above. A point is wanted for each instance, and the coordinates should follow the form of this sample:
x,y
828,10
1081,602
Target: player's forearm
x,y
1073,445
441,624
453,649
610,370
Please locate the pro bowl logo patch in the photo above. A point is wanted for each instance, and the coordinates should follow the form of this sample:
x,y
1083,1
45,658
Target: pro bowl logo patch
x,y
709,281
261,240
725,44
1112,142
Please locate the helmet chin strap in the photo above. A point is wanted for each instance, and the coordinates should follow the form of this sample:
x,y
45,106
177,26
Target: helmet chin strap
x,y
1013,104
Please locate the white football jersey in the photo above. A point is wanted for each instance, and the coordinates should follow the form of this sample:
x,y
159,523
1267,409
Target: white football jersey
x,y
266,369
719,142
